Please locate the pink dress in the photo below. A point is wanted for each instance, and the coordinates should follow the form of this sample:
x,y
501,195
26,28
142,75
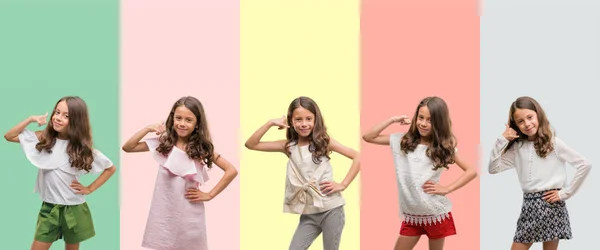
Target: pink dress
x,y
174,223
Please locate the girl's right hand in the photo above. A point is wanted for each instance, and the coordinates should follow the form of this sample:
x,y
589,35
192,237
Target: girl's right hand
x,y
509,133
40,119
281,123
157,128
403,119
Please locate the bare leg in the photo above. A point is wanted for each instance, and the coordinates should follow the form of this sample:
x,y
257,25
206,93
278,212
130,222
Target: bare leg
x,y
38,245
436,244
406,242
551,245
520,246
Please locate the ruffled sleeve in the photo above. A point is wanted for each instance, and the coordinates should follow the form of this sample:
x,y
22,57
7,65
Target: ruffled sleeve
x,y
101,162
43,160
152,145
178,162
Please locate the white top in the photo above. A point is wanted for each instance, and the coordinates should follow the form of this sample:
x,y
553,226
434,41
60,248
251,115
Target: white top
x,y
302,190
540,174
412,171
55,173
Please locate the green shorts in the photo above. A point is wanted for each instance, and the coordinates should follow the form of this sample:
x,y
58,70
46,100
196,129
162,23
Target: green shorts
x,y
71,222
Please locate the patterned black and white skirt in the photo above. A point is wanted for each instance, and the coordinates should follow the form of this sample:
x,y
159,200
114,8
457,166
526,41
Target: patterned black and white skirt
x,y
541,221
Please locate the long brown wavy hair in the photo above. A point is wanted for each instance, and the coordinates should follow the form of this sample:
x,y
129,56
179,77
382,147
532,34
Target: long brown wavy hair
x,y
79,134
443,143
318,138
543,142
200,146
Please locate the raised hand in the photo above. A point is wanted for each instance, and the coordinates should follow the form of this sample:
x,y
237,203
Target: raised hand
x,y
157,128
402,120
509,133
281,123
40,119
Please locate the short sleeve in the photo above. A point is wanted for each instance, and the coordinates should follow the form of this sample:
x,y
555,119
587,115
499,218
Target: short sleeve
x,y
28,140
101,162
42,159
152,143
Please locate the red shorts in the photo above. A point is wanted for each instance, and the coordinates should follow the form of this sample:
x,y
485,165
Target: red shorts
x,y
433,231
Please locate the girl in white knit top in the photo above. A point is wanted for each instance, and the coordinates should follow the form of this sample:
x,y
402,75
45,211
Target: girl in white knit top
x,y
310,188
530,147
420,156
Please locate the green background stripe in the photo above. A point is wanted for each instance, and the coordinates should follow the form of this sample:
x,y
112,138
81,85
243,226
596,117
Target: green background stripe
x,y
49,49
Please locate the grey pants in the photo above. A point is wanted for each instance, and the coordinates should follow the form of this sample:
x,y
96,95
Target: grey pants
x,y
331,223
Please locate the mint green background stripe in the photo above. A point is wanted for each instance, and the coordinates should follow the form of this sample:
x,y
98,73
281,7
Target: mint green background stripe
x,y
49,49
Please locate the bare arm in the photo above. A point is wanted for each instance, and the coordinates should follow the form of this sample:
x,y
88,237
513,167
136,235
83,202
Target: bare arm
x,y
13,134
230,174
134,144
329,187
255,143
195,195
468,175
106,174
374,134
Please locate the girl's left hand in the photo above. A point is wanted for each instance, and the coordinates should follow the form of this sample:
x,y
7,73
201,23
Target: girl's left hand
x,y
551,196
330,187
81,189
431,187
195,195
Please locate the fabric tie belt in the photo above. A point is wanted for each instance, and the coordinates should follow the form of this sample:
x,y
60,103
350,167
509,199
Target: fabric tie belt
x,y
68,213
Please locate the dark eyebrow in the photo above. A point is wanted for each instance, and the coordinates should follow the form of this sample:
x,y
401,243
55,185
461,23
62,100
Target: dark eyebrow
x,y
57,109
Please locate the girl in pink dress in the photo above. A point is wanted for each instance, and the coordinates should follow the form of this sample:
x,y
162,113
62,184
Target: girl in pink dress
x,y
183,150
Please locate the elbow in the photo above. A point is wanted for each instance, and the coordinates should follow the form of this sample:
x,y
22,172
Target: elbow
x,y
9,138
234,173
111,170
474,174
367,138
126,149
588,164
492,168
249,145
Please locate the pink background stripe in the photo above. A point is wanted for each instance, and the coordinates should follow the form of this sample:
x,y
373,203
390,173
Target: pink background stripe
x,y
170,49
410,50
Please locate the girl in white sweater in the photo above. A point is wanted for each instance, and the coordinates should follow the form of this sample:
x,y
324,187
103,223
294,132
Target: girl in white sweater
x,y
530,147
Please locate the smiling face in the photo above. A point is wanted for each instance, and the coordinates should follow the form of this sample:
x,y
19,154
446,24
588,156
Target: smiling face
x,y
60,118
184,122
303,121
527,122
424,121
